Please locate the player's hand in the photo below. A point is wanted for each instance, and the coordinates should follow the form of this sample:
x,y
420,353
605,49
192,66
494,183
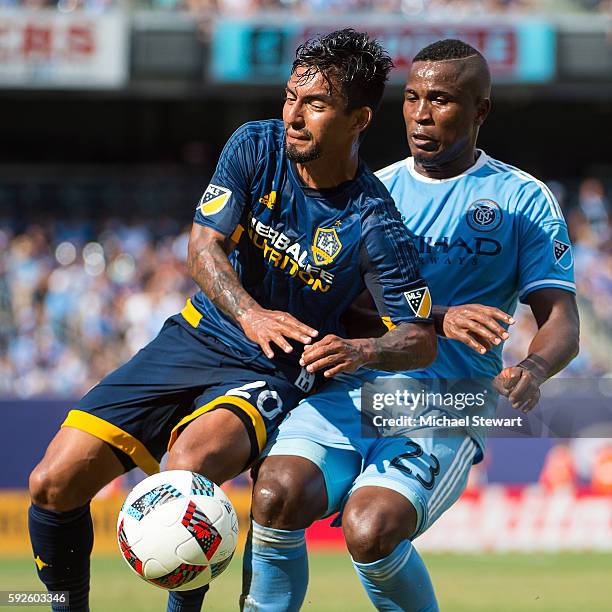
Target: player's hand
x,y
476,325
520,386
274,326
334,355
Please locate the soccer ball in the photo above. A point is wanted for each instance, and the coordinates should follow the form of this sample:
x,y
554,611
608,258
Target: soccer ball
x,y
177,530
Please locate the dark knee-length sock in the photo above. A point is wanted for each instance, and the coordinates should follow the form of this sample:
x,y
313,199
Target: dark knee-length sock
x,y
62,543
186,601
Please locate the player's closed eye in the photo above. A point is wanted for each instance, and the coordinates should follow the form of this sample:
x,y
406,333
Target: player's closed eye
x,y
441,98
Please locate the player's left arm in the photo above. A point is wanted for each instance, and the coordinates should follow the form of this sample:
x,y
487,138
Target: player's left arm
x,y
555,344
408,346
390,270
361,320
476,325
546,284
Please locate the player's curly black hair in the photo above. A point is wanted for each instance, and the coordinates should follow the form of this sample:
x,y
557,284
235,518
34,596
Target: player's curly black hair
x,y
350,60
447,49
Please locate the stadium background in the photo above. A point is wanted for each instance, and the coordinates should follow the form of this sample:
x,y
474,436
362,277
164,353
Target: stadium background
x,y
112,115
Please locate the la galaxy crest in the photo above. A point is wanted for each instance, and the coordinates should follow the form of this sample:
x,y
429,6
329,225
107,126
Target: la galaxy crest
x,y
419,301
326,246
214,200
562,252
484,215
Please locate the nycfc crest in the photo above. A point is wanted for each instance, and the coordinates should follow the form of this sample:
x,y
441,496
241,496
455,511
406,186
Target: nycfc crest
x,y
484,215
326,246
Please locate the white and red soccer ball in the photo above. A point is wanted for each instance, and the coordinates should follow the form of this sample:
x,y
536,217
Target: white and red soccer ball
x,y
177,530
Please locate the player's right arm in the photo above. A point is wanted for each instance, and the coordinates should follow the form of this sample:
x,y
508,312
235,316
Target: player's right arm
x,y
210,268
217,216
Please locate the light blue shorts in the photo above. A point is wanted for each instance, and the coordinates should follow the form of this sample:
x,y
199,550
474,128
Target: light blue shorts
x,y
430,469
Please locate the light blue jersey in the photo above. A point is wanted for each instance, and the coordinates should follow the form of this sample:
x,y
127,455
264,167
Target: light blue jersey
x,y
491,235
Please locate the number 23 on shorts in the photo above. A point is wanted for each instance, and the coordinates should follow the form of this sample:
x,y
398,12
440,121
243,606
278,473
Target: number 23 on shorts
x,y
414,451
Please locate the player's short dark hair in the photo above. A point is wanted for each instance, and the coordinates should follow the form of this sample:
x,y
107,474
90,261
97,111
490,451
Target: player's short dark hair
x,y
352,60
447,49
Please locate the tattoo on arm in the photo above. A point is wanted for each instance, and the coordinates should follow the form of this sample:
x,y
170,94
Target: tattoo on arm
x,y
211,270
407,347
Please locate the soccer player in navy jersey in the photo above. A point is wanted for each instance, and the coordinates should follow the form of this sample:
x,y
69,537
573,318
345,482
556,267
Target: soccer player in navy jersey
x,y
488,236
291,229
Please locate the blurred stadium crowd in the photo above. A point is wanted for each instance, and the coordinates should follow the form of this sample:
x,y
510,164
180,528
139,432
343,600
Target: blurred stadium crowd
x,y
79,294
245,7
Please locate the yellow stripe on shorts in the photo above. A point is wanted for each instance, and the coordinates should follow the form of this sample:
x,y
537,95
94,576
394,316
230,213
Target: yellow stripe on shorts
x,y
115,436
251,411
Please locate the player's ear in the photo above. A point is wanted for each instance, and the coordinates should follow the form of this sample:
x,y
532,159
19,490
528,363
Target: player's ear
x,y
483,108
362,117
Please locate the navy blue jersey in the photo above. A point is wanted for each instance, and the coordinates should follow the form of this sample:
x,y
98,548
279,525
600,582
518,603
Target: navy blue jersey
x,y
305,251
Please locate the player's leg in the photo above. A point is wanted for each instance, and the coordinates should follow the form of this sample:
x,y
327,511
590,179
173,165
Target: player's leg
x,y
288,495
298,484
122,422
299,481
75,467
404,487
227,432
377,525
216,445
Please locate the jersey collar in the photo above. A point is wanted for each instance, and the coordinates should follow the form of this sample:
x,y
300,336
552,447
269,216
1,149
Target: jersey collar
x,y
479,163
328,193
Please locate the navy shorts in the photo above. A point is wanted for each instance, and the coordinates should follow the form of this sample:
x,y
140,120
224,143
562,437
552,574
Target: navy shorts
x,y
141,407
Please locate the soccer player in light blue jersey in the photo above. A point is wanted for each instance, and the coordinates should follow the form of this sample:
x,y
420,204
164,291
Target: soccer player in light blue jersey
x,y
489,235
